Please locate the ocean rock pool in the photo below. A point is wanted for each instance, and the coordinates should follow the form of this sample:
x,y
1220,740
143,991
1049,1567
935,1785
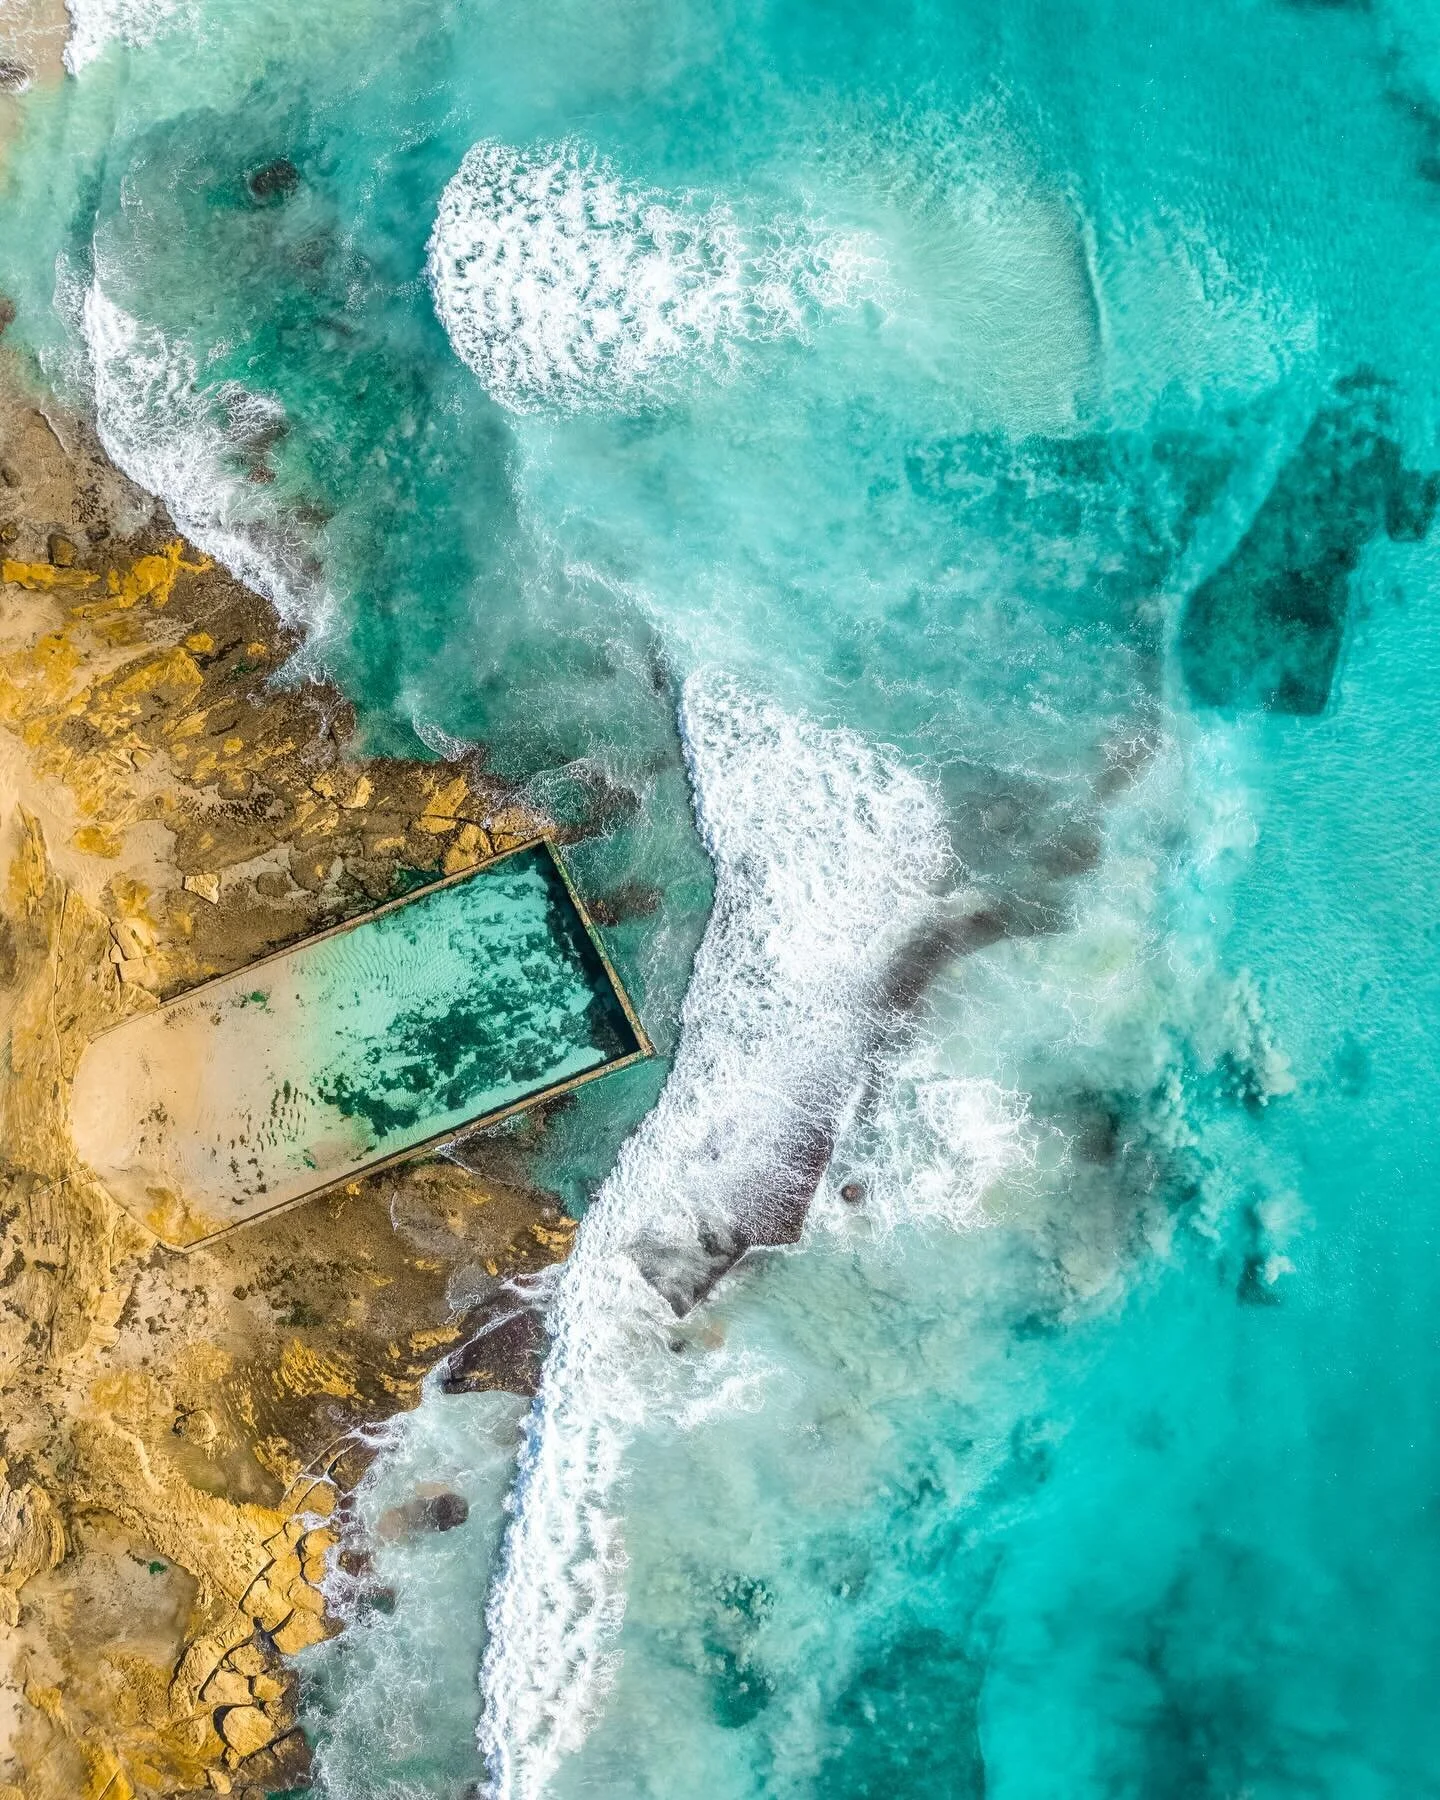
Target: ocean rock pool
x,y
453,1006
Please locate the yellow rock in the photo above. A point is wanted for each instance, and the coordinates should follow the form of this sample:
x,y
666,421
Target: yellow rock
x,y
247,1659
133,936
299,1632
95,840
104,1777
304,1370
152,577
191,725
511,825
448,802
267,1687
43,577
266,1602
201,643
284,1569
319,1497
226,1687
31,1537
246,1729
175,669
471,846
305,1597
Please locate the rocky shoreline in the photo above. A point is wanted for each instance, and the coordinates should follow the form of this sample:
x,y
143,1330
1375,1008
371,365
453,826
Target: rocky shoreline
x,y
178,1432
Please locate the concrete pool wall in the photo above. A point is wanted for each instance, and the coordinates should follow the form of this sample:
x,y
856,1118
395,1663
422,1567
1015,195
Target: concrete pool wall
x,y
447,1009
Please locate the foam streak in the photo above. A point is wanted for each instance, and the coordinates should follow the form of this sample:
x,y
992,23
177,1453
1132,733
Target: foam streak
x,y
827,854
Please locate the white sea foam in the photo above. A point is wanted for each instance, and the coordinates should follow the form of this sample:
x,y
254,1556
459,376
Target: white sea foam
x,y
178,438
827,855
929,1147
96,23
563,286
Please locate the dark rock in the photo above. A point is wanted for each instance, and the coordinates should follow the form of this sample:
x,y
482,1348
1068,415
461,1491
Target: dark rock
x,y
378,1599
429,1509
9,474
443,1512
61,549
853,1192
14,79
634,900
278,1768
273,180
1252,1289
505,1350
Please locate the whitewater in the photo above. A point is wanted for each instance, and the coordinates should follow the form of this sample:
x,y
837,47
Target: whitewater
x,y
828,859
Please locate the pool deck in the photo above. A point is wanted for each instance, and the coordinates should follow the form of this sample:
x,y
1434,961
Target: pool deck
x,y
150,1096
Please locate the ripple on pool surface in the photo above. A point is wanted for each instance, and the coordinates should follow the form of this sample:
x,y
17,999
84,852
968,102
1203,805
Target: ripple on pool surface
x,y
462,1002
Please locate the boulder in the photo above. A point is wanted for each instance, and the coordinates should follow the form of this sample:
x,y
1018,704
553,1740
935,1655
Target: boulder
x,y
299,1632
280,1767
226,1687
246,1729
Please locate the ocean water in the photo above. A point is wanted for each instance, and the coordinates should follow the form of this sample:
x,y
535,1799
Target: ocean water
x,y
943,499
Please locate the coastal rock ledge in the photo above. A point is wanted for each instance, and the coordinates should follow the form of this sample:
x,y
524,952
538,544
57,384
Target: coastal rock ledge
x,y
179,1432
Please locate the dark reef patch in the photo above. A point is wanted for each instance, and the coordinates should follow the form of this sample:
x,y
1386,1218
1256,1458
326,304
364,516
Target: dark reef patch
x,y
1266,629
273,180
506,1349
740,1687
911,1722
1198,1724
1420,112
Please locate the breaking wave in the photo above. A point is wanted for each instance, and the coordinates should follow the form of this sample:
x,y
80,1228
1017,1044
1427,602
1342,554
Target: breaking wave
x,y
828,856
563,286
185,442
94,24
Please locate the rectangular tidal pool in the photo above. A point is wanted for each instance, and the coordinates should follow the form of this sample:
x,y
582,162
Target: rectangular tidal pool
x,y
458,1004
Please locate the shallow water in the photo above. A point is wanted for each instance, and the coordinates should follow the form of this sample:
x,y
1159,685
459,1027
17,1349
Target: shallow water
x,y
946,499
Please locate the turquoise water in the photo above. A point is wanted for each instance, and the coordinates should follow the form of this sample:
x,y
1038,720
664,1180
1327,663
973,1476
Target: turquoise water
x,y
461,1001
944,501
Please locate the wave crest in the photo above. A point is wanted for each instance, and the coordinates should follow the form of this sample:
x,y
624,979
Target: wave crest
x,y
564,287
179,439
95,24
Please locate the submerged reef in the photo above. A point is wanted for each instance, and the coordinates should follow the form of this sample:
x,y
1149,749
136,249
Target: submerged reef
x,y
1266,629
179,1432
